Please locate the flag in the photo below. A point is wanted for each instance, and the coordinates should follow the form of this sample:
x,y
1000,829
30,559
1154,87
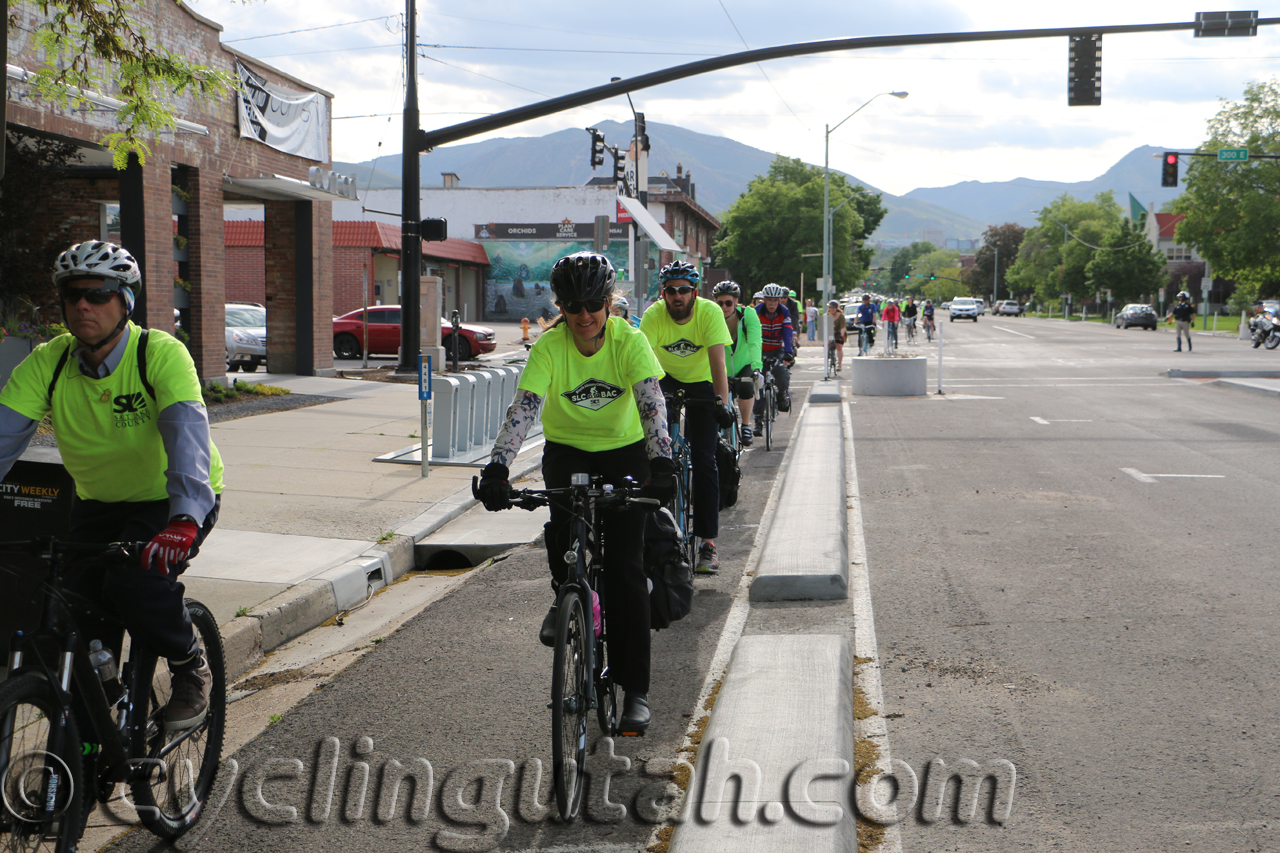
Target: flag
x,y
1137,212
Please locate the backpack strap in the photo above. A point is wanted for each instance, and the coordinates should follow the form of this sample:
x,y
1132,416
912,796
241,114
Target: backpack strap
x,y
57,371
142,363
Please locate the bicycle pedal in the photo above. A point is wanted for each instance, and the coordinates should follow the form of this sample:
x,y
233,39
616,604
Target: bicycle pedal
x,y
621,733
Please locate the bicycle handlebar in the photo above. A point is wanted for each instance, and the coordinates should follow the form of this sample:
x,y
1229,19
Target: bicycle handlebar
x,y
607,496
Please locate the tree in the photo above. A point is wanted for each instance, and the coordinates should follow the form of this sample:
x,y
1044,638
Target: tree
x,y
779,218
1002,240
1231,212
1127,265
905,259
98,46
1054,254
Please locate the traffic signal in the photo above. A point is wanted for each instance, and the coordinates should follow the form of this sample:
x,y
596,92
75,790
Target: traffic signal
x,y
933,278
1084,71
597,148
1169,170
619,166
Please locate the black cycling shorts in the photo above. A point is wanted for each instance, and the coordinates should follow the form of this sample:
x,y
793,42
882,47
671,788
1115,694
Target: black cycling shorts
x,y
743,384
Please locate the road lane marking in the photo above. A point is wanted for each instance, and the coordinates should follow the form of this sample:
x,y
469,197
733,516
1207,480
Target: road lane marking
x,y
1062,421
1012,332
1041,421
1151,478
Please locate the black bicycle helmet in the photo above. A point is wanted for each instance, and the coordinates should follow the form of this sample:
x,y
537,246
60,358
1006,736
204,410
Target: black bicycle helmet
x,y
679,269
728,287
582,275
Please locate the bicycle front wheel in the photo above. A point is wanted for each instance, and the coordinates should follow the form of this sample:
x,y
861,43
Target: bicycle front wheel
x,y
770,412
570,703
172,795
43,787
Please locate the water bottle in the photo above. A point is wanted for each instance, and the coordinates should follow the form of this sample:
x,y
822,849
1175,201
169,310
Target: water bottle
x,y
104,663
595,614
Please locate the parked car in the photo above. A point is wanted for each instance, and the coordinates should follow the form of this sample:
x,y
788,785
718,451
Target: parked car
x,y
384,334
246,336
982,307
1137,315
964,308
1008,308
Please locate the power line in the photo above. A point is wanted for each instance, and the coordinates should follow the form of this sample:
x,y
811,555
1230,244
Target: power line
x,y
763,73
311,29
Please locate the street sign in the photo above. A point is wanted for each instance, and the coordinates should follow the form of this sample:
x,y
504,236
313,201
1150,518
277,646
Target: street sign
x,y
1233,155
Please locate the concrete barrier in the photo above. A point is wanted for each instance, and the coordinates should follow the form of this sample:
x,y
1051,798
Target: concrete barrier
x,y
888,377
811,509
783,726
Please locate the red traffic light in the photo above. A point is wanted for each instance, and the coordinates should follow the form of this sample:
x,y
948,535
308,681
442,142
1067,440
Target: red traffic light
x,y
1171,159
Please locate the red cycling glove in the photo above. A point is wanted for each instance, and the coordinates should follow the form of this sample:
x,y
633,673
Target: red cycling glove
x,y
170,547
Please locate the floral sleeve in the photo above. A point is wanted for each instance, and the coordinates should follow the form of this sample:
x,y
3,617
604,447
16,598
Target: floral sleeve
x,y
653,417
521,414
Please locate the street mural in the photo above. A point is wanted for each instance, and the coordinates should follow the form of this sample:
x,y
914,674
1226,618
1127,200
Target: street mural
x,y
517,282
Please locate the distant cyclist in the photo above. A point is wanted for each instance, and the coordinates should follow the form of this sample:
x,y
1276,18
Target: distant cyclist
x,y
622,308
891,316
927,314
743,356
777,333
909,312
864,316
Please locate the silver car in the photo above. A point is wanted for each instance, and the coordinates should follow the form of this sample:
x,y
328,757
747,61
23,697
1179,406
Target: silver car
x,y
964,308
246,336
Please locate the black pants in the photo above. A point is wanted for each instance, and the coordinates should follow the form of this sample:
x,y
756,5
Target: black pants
x,y
625,586
702,433
148,603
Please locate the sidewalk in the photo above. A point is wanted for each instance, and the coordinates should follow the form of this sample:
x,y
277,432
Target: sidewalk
x,y
311,525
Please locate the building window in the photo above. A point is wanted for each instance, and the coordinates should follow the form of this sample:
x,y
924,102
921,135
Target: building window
x,y
1178,253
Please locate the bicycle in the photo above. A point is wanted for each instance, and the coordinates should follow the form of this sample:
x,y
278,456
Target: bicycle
x,y
580,677
833,364
891,330
866,338
910,323
928,329
51,776
769,400
682,456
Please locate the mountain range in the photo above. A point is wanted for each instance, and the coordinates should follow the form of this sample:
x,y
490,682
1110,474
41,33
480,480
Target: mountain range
x,y
721,168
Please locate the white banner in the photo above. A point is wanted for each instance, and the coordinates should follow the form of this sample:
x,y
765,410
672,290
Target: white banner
x,y
293,122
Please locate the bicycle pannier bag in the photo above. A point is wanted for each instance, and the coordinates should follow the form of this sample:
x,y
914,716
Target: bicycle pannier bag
x,y
670,576
730,474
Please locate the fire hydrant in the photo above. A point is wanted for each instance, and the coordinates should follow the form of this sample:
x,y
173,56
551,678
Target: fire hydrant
x,y
524,329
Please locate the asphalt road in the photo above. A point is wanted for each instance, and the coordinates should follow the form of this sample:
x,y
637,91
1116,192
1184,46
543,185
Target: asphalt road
x,y
1072,569
464,685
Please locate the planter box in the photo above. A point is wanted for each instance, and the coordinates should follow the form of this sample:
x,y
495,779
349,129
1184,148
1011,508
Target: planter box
x,y
888,377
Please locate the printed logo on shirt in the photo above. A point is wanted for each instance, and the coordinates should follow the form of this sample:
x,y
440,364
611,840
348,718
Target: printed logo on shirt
x,y
130,410
593,394
683,348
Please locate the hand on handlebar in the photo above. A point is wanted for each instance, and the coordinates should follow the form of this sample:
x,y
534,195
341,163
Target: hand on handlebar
x,y
661,485
723,415
494,488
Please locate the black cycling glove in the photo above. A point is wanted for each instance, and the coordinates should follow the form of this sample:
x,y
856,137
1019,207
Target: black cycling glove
x,y
723,415
494,489
661,484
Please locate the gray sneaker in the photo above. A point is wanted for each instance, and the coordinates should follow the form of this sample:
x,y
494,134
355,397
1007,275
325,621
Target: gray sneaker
x,y
707,562
189,699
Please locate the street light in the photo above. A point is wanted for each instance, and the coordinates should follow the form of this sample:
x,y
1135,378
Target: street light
x,y
826,186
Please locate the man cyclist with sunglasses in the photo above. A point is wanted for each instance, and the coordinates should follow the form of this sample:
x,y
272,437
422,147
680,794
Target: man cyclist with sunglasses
x,y
778,345
744,353
133,432
689,336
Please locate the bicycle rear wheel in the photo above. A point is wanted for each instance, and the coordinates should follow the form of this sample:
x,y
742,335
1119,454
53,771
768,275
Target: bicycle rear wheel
x,y
172,795
570,703
606,690
32,773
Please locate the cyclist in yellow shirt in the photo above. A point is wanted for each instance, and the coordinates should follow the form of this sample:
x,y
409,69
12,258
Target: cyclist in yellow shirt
x,y
596,380
132,429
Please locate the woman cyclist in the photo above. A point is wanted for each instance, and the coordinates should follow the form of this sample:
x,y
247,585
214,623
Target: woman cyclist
x,y
622,308
596,380
838,331
743,358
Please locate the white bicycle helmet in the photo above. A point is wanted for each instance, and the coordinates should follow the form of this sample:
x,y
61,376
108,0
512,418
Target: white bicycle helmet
x,y
774,291
97,259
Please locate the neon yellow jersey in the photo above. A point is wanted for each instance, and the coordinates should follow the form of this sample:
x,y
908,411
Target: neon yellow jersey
x,y
107,428
587,401
682,350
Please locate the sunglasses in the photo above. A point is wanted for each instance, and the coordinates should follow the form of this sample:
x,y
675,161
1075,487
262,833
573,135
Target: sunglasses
x,y
726,303
672,290
95,296
577,306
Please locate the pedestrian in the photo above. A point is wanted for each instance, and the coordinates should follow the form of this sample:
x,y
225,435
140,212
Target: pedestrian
x,y
838,331
1183,314
797,316
811,318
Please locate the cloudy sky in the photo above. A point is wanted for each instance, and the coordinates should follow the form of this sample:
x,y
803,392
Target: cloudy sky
x,y
984,111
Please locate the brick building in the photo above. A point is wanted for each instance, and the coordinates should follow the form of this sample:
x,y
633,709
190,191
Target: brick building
x,y
171,208
366,259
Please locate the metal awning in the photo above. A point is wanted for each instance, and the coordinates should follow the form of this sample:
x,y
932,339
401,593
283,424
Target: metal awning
x,y
649,225
280,188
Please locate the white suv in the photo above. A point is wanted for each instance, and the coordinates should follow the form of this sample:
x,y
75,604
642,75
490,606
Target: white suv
x,y
964,307
246,336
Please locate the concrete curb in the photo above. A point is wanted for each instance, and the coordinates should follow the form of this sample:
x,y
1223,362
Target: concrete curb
x,y
1245,387
311,603
1176,373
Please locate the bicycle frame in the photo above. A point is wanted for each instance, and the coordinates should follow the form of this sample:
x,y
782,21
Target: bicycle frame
x,y
682,456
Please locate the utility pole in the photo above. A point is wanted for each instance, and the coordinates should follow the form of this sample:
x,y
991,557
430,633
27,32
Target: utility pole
x,y
410,205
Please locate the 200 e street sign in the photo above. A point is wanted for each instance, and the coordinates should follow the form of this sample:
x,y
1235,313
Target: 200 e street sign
x,y
1233,155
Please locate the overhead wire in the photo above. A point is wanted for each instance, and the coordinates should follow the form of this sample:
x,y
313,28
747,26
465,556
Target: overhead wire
x,y
760,66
